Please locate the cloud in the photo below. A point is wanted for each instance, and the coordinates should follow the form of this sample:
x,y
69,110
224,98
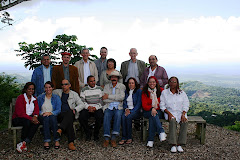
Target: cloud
x,y
200,40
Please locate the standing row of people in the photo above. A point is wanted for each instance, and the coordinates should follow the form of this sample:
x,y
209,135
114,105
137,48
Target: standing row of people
x,y
111,101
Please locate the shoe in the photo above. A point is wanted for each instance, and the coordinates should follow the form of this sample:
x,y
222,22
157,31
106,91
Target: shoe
x,y
122,142
129,141
174,149
105,143
150,144
57,146
162,136
46,146
21,147
113,143
71,146
179,148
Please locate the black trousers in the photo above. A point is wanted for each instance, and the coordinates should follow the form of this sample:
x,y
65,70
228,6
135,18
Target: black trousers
x,y
29,129
83,119
66,124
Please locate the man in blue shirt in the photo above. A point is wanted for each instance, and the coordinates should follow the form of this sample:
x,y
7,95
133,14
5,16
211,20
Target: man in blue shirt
x,y
42,74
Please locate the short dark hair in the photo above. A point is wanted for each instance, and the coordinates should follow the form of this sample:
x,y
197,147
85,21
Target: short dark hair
x,y
103,48
84,49
45,55
112,60
136,85
178,91
89,77
24,90
50,83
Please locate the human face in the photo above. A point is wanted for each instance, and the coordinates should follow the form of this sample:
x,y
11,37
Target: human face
x,y
114,80
110,65
152,61
173,83
48,89
85,54
65,86
131,84
46,61
133,54
91,82
103,53
152,83
30,90
66,59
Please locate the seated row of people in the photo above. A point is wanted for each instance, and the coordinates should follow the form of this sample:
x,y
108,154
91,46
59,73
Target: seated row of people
x,y
115,102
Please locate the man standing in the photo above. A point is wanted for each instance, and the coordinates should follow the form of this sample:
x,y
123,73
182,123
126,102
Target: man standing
x,y
114,94
71,106
91,96
85,68
154,70
42,74
133,67
65,71
101,63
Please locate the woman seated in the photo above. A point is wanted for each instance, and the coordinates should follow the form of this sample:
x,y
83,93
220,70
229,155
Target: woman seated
x,y
104,78
26,115
50,107
150,103
131,104
175,104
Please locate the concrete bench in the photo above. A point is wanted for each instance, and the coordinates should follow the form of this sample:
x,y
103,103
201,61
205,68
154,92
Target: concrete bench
x,y
14,130
200,127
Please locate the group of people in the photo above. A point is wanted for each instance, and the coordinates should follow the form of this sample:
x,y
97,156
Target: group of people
x,y
63,93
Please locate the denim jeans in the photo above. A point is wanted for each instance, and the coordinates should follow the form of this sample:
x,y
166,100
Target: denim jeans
x,y
127,124
115,114
49,123
154,124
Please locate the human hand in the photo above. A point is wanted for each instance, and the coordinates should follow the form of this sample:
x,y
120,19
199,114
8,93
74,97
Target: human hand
x,y
105,96
35,120
183,118
154,112
47,114
170,116
127,112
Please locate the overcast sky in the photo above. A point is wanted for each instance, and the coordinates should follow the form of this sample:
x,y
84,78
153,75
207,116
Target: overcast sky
x,y
179,32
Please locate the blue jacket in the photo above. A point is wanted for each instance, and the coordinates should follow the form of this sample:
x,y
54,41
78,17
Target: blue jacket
x,y
38,79
137,100
55,100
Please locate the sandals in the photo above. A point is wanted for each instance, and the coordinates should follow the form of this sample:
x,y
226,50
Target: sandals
x,y
129,141
122,142
46,147
57,146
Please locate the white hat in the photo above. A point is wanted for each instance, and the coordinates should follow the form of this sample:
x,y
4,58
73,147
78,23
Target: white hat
x,y
115,73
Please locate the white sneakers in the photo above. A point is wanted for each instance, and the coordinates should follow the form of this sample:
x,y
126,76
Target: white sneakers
x,y
162,136
150,144
174,149
21,147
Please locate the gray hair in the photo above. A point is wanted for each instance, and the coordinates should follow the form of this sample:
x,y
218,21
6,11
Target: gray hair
x,y
85,49
132,49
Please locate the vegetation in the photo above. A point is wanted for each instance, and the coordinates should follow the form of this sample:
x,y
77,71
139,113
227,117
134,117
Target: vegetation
x,y
32,53
8,89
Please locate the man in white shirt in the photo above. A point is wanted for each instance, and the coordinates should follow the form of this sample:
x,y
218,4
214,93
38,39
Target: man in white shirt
x,y
85,68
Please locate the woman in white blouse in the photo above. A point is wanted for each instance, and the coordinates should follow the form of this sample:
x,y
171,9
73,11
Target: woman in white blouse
x,y
175,104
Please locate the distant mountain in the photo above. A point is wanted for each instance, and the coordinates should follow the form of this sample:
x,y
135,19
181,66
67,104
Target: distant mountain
x,y
22,78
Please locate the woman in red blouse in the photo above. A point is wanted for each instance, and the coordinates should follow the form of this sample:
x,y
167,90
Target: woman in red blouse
x,y
150,103
26,115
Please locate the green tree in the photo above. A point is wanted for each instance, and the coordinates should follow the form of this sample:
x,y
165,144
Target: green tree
x,y
8,89
32,53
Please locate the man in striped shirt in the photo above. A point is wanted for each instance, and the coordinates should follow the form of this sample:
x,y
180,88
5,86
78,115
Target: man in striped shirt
x,y
91,96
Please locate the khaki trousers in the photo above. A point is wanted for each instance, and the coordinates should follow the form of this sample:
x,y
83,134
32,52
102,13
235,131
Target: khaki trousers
x,y
182,138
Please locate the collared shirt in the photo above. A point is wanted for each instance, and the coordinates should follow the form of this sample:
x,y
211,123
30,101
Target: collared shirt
x,y
113,105
65,105
66,72
130,100
86,71
174,103
132,71
151,73
46,74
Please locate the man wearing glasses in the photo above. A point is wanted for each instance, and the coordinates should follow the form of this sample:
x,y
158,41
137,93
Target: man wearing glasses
x,y
71,106
65,71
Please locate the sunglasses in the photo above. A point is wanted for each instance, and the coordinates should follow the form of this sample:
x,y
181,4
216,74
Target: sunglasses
x,y
65,84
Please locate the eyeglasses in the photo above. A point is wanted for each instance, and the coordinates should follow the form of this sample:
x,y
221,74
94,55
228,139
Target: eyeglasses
x,y
65,84
173,81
